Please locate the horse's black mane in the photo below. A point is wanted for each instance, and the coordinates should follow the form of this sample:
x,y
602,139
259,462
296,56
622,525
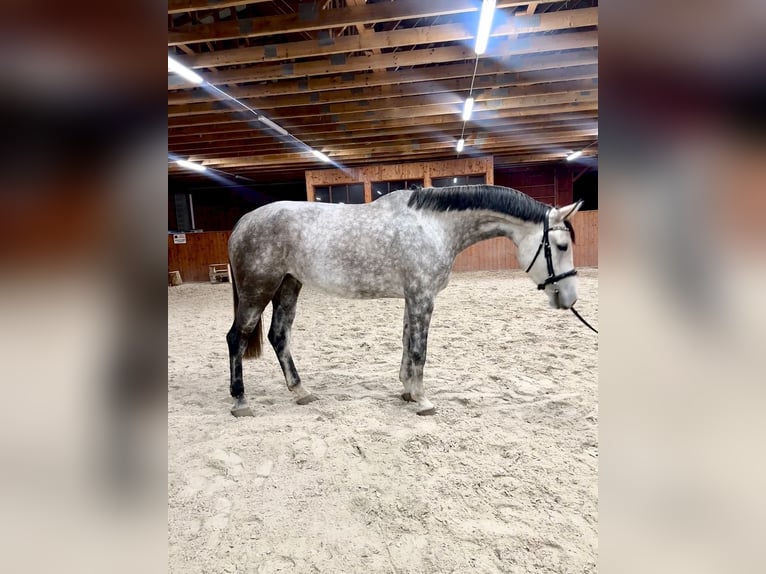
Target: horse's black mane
x,y
490,197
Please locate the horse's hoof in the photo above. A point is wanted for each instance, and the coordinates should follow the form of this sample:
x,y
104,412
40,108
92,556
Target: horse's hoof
x,y
407,397
241,410
427,412
307,399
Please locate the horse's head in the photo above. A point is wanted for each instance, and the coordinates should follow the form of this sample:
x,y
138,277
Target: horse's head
x,y
546,253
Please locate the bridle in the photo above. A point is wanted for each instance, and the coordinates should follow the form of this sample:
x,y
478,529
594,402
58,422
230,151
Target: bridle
x,y
545,246
553,279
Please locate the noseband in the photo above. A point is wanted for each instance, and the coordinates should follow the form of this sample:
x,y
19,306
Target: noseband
x,y
545,246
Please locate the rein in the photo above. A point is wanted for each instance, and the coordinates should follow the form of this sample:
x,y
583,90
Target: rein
x,y
545,246
584,322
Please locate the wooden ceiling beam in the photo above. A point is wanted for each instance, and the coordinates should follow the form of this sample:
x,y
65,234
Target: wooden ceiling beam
x,y
532,7
281,169
308,19
484,87
351,125
561,20
504,49
416,105
403,147
338,150
483,97
506,160
366,34
454,128
376,132
413,134
310,126
180,6
486,67
343,156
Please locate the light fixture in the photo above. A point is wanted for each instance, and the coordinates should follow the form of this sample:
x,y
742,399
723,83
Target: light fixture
x,y
485,24
454,180
184,72
460,145
574,155
191,165
467,109
276,127
321,156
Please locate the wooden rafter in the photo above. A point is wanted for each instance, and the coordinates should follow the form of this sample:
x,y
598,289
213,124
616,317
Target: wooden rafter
x,y
370,135
379,82
353,124
505,49
351,155
509,120
486,67
490,100
486,88
180,6
325,19
371,41
567,92
336,149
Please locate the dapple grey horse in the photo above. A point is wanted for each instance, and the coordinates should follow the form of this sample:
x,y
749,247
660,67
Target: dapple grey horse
x,y
402,245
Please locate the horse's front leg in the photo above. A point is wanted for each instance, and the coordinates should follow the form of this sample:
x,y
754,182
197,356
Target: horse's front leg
x,y
420,309
405,371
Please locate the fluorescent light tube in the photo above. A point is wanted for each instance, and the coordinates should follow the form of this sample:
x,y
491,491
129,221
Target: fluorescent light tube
x,y
191,165
485,24
277,128
574,155
184,72
321,156
467,109
460,145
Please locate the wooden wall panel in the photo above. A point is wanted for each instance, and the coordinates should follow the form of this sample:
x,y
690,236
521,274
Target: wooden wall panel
x,y
491,255
551,185
585,224
200,250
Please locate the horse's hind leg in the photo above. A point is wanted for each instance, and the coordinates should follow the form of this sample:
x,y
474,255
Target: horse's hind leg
x,y
246,321
243,339
284,303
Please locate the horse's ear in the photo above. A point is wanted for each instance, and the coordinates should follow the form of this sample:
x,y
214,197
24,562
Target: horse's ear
x,y
559,214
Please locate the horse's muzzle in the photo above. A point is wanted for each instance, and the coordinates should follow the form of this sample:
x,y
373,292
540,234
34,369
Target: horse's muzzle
x,y
560,301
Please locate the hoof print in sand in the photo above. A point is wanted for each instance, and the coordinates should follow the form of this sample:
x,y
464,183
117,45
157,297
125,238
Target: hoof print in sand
x,y
307,399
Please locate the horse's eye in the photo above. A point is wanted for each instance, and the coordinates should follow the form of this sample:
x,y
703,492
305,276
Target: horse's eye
x,y
562,247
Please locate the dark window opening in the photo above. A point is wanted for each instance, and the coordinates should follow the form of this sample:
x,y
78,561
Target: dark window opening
x,y
459,180
381,188
339,193
586,188
322,194
356,193
345,193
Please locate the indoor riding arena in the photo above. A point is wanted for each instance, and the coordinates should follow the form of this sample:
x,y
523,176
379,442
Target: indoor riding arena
x,y
398,130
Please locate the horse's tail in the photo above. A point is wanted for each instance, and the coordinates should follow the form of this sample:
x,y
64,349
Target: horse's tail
x,y
255,341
